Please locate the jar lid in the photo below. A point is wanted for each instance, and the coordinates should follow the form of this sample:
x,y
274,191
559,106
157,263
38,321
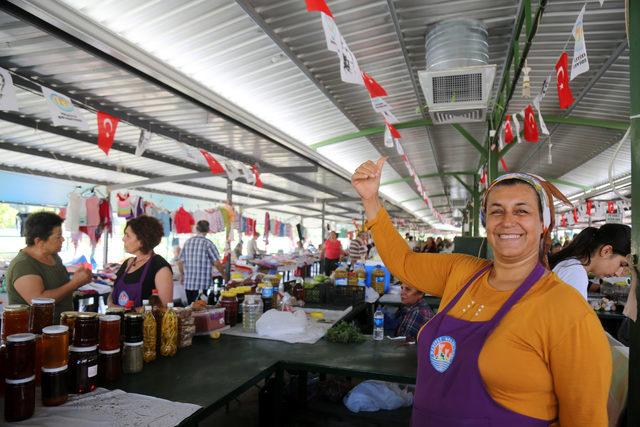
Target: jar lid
x,y
133,316
21,380
228,294
117,350
43,301
21,337
16,307
82,349
54,370
109,318
55,329
87,315
115,310
69,314
133,344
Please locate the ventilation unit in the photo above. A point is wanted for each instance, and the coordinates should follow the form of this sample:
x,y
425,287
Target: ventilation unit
x,y
458,78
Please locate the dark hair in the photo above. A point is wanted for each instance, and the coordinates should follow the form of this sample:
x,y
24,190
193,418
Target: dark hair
x,y
148,230
40,225
202,226
514,181
585,244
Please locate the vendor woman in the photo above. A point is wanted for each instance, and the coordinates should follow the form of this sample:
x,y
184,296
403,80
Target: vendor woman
x,y
146,271
512,345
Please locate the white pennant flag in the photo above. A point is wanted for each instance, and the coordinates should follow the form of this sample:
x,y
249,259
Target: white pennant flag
x,y
390,117
601,2
143,142
233,172
331,33
380,105
517,126
545,86
536,105
580,63
349,69
399,148
62,110
8,100
191,152
247,173
501,137
388,139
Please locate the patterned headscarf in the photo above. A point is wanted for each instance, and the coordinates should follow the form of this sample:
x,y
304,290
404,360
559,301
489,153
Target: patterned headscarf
x,y
546,193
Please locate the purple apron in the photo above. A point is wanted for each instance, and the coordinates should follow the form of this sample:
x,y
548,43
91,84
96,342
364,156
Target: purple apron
x,y
124,292
449,388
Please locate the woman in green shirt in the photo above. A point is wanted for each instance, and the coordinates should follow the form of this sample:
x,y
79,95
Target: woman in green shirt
x,y
37,271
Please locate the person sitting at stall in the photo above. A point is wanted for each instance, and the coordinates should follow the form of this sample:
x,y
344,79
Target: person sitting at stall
x,y
511,341
237,250
331,253
414,313
139,276
37,271
252,247
600,251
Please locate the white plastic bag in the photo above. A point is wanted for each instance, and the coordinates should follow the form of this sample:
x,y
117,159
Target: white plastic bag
x,y
278,324
371,396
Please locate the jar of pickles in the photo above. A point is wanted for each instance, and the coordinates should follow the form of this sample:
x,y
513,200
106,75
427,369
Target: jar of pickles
x,y
109,366
54,386
85,330
133,327
55,345
15,320
132,357
21,351
109,332
19,398
230,304
42,310
83,369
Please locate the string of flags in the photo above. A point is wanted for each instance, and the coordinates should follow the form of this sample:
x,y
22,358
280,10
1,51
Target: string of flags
x,y
64,113
579,65
350,72
591,210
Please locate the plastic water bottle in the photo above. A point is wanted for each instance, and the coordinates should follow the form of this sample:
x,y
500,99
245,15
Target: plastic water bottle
x,y
378,325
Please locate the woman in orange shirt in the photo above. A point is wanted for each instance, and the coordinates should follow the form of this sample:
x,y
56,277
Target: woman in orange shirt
x,y
512,345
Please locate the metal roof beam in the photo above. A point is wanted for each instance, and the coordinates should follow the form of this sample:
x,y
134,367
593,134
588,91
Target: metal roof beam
x,y
429,175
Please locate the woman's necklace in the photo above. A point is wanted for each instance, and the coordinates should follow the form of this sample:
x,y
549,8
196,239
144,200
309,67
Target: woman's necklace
x,y
138,262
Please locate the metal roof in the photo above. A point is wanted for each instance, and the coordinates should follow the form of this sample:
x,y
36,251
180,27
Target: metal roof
x,y
264,67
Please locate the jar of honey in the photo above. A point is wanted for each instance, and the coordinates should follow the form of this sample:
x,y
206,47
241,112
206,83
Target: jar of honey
x,y
54,386
19,398
109,366
42,310
21,355
68,318
109,332
85,330
15,320
55,344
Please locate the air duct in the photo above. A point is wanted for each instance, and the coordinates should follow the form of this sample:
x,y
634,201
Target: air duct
x,y
458,78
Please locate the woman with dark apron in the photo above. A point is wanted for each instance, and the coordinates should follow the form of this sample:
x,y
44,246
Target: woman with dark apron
x,y
512,345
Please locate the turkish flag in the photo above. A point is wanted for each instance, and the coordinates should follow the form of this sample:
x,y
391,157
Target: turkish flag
x,y
394,132
565,97
256,173
589,207
508,133
214,166
575,215
107,125
318,6
530,126
610,207
504,164
374,88
563,220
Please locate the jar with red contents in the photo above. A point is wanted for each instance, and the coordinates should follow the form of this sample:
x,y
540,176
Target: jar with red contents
x,y
109,332
230,304
54,386
85,330
21,352
15,320
19,398
42,310
83,369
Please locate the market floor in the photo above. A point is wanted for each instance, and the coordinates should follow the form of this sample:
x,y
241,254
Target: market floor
x,y
244,412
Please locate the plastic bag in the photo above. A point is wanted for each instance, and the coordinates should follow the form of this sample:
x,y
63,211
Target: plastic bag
x,y
371,295
371,396
276,324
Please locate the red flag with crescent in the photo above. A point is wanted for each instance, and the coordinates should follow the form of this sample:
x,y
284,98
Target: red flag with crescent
x,y
107,125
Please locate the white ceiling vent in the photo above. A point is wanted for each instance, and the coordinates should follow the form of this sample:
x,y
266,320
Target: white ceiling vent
x,y
458,81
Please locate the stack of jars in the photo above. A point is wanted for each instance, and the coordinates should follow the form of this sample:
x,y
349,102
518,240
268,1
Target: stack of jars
x,y
20,382
83,354
109,358
132,353
42,312
55,352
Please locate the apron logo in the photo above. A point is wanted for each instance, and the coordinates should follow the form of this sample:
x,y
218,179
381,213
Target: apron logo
x,y
442,352
123,298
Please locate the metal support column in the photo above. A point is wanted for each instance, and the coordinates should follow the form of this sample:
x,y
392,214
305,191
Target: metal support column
x,y
633,398
476,206
227,267
322,236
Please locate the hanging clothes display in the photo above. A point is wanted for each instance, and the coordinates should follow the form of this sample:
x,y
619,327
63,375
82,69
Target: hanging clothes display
x,y
267,226
92,205
183,221
104,211
72,221
124,205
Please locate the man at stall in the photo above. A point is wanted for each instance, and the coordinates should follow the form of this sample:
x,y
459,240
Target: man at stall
x,y
331,253
358,249
37,271
252,247
414,313
197,259
511,341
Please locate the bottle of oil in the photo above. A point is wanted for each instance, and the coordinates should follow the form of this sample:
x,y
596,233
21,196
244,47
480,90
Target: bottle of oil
x,y
341,276
362,274
169,332
377,280
149,336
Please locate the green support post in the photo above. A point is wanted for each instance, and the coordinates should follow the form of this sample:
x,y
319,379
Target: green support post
x,y
633,398
476,206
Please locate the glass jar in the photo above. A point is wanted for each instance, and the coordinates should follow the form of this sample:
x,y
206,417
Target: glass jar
x,y
133,327
117,311
21,352
54,386
15,320
132,357
55,346
109,332
68,318
230,304
19,398
85,330
240,293
110,366
83,369
42,310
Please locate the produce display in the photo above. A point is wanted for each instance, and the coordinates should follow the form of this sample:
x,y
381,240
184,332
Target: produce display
x,y
345,333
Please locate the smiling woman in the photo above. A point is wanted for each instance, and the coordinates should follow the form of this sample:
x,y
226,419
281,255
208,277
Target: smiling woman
x,y
511,341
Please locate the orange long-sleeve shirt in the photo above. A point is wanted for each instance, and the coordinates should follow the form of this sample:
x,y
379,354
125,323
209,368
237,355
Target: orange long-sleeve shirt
x,y
548,358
